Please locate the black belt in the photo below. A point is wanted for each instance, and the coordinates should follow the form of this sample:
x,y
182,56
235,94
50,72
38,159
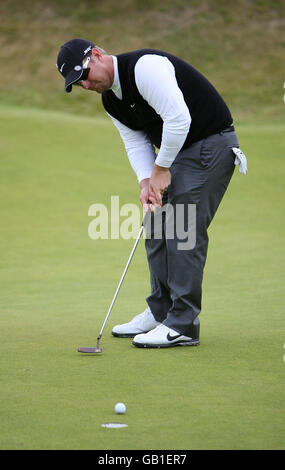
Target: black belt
x,y
228,129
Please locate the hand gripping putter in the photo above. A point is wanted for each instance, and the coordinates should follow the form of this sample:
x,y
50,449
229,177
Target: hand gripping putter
x,y
97,349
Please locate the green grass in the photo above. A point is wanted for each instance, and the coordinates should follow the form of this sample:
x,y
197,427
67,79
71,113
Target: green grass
x,y
56,285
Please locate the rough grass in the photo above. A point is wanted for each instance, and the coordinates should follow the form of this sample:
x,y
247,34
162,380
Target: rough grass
x,y
238,45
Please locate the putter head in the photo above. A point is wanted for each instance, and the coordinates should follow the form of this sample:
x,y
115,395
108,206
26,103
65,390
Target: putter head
x,y
88,350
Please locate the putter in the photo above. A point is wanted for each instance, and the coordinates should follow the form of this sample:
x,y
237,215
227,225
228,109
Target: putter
x,y
97,349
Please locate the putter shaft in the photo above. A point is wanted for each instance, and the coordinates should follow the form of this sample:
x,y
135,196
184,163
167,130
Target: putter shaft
x,y
121,280
91,350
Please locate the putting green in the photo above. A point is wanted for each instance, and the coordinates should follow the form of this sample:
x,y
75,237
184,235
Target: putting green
x,y
57,284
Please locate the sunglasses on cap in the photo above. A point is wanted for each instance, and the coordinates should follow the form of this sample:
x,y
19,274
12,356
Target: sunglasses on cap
x,y
85,72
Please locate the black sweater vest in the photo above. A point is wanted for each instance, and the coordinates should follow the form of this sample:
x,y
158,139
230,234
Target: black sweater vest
x,y
208,110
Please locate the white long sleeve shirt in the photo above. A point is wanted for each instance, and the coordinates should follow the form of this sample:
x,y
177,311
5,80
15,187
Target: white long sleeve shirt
x,y
156,82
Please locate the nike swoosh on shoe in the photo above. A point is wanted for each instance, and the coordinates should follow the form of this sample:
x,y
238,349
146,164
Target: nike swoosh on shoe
x,y
172,338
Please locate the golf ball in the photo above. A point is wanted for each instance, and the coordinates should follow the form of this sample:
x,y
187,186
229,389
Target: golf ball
x,y
120,408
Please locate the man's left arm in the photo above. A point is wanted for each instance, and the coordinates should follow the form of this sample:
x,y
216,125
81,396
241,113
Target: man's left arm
x,y
156,82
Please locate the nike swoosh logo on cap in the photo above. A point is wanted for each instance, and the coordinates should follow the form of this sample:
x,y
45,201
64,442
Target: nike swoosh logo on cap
x,y
171,338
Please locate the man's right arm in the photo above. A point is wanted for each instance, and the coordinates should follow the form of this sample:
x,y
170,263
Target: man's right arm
x,y
139,149
141,156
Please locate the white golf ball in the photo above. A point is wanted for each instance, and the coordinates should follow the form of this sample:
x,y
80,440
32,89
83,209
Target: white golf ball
x,y
120,408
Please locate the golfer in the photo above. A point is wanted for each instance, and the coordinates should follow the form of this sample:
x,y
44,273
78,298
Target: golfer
x,y
179,136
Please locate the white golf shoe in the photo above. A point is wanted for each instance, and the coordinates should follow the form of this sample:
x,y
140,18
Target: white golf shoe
x,y
163,337
141,323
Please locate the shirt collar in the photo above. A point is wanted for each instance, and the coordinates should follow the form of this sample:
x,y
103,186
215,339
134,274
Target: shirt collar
x,y
116,87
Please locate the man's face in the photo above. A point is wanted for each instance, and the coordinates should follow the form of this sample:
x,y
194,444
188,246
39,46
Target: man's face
x,y
100,77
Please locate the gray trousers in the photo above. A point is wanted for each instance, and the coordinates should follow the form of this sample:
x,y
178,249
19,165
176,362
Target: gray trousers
x,y
200,176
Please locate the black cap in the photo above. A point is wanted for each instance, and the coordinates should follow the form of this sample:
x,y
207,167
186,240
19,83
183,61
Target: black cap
x,y
69,60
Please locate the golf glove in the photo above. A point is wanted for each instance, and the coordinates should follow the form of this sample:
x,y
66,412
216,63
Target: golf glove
x,y
240,160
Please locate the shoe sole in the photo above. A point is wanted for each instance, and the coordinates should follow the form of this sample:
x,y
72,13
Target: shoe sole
x,y
128,335
195,342
124,335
